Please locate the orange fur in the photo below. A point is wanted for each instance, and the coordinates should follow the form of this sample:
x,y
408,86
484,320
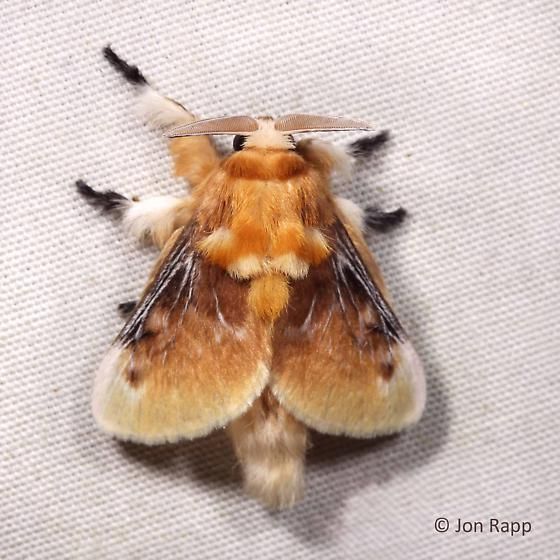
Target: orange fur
x,y
264,199
269,295
280,165
219,247
250,235
272,195
194,158
289,238
316,247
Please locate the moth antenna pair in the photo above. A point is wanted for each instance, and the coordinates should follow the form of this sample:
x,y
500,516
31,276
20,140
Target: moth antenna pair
x,y
265,314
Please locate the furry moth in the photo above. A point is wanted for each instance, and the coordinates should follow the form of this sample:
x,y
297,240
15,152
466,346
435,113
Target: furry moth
x,y
265,314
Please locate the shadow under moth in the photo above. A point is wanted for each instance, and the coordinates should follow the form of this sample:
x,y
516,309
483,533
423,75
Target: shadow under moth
x,y
265,314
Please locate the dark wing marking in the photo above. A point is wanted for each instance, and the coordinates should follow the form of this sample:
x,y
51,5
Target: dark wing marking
x,y
174,283
354,282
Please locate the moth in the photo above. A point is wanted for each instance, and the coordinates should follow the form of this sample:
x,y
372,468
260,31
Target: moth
x,y
265,314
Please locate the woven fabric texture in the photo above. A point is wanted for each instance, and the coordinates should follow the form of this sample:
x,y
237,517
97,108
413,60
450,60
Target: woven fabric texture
x,y
469,91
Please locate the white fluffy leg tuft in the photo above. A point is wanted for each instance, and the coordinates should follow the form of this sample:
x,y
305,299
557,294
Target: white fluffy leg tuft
x,y
352,212
160,111
152,217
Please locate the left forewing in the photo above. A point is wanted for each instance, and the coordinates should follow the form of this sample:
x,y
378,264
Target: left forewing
x,y
190,358
341,361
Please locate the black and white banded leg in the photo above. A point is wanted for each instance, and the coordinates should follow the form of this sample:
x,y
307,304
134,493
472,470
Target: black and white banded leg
x,y
151,218
378,220
371,218
364,147
153,107
142,218
109,202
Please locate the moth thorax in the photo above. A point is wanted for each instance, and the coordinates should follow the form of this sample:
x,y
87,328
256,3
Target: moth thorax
x,y
267,137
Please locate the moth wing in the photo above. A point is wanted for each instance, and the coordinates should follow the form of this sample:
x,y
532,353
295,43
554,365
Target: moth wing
x,y
190,358
341,361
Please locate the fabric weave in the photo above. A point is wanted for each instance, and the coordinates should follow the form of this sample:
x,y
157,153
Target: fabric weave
x,y
469,91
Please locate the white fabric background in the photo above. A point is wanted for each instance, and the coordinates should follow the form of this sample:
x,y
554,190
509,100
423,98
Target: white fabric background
x,y
470,92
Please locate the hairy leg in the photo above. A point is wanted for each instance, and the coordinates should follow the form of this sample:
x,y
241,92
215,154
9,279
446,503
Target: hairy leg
x,y
381,221
126,308
371,218
364,147
151,219
194,157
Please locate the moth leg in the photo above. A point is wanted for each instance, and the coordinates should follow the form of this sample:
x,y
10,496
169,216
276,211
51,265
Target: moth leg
x,y
152,218
194,157
109,202
126,308
371,218
381,221
331,158
326,157
365,146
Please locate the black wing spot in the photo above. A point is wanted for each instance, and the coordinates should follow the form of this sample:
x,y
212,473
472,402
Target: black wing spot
x,y
364,147
107,201
131,73
133,377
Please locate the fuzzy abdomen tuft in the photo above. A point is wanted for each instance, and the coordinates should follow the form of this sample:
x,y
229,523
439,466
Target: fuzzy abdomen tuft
x,y
270,445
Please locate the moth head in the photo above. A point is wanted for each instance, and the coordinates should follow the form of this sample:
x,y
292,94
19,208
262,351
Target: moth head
x,y
266,132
